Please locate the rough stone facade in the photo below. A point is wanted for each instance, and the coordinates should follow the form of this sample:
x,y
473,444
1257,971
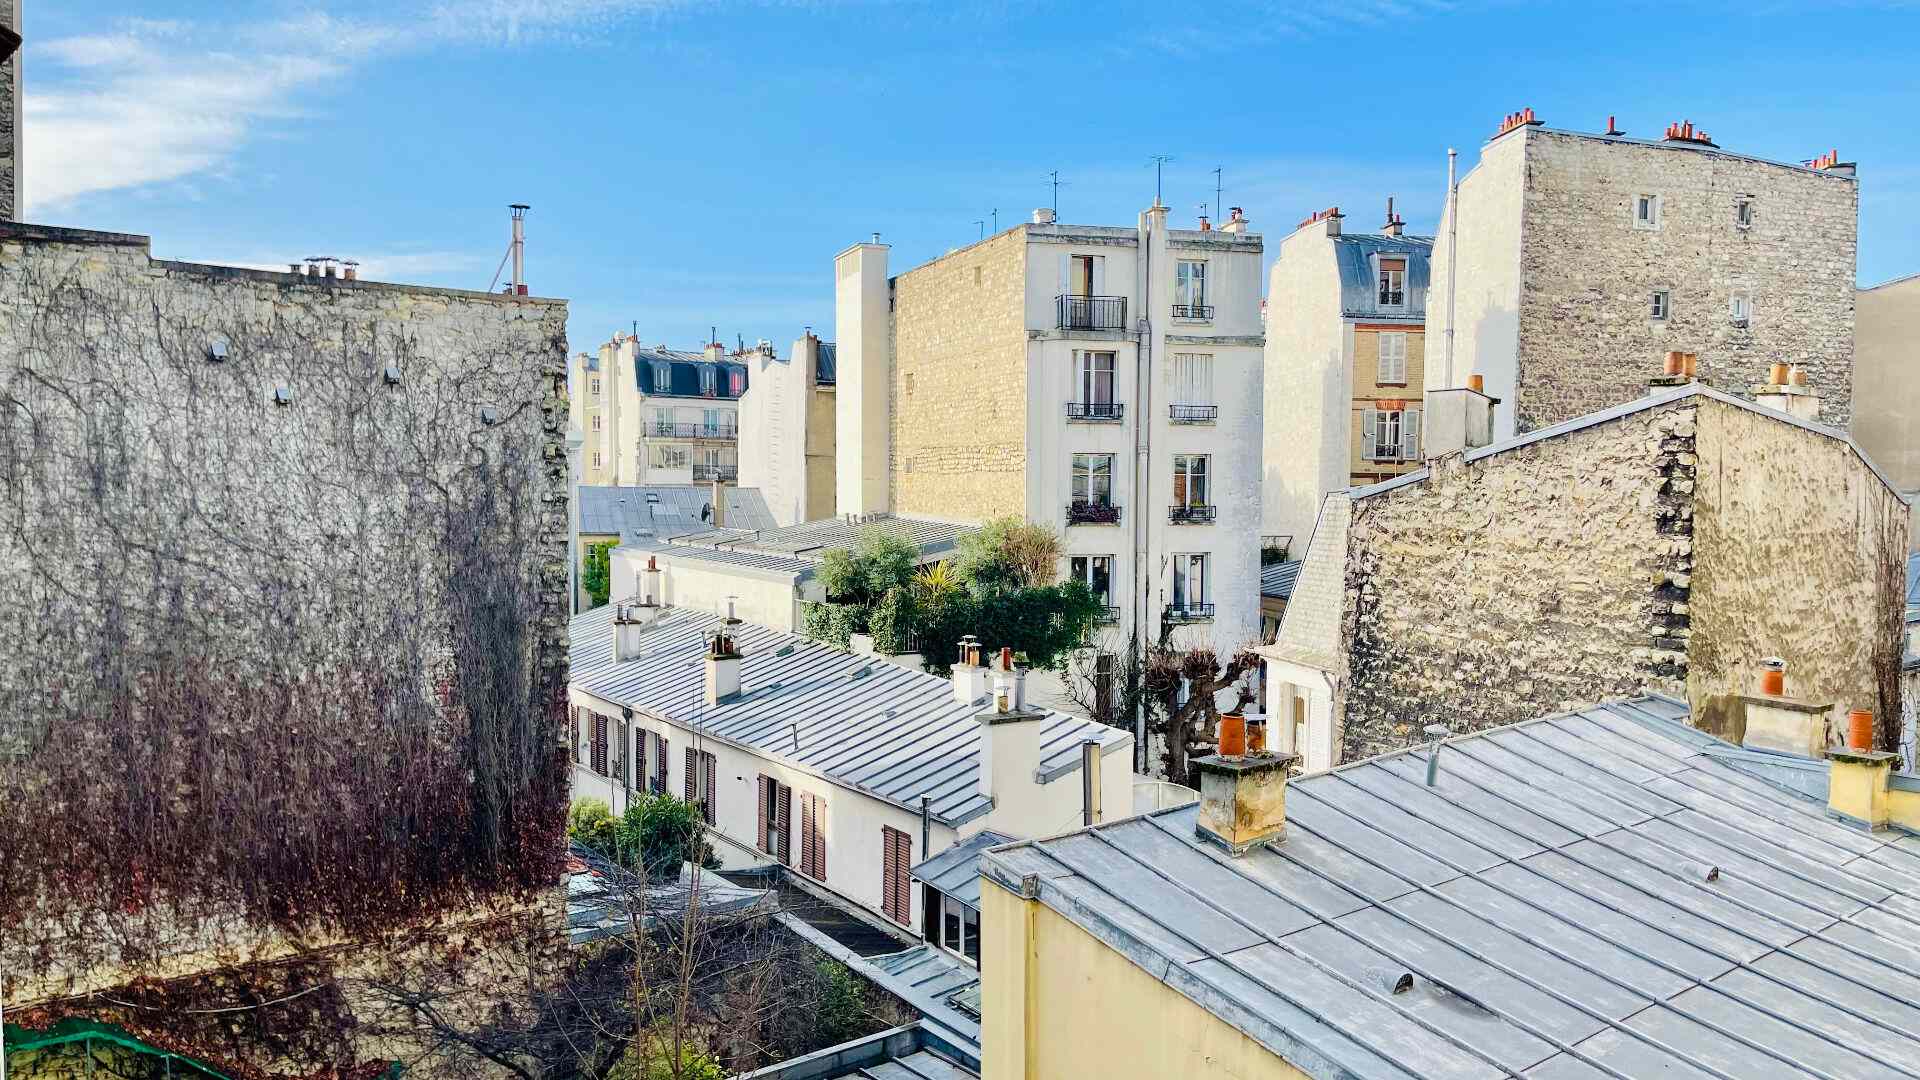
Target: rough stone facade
x,y
1556,276
960,383
1671,548
282,609
10,119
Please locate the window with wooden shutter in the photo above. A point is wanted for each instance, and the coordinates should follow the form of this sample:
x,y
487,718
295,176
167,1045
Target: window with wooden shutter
x,y
1410,435
576,734
763,788
640,737
660,765
783,823
599,744
813,839
896,882
710,797
688,784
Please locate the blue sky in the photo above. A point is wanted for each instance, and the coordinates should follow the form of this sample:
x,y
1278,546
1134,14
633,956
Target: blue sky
x,y
694,164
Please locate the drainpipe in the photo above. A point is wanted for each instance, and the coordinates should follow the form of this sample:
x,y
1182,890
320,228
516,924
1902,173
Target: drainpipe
x,y
926,826
1453,251
1142,450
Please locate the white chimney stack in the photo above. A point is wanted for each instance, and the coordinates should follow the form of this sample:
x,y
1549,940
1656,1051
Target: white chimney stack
x,y
1043,216
1457,419
1236,222
1010,738
724,662
969,672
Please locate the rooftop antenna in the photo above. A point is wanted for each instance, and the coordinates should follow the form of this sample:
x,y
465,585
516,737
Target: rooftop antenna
x,y
996,221
1159,163
982,223
1218,188
1054,178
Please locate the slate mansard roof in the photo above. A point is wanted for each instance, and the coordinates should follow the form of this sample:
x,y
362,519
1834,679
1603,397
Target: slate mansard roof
x,y
1354,253
862,723
1593,894
684,374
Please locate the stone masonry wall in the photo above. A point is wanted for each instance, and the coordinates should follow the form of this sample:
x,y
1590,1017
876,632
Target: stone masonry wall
x,y
282,639
1532,580
1586,338
1801,555
960,383
10,120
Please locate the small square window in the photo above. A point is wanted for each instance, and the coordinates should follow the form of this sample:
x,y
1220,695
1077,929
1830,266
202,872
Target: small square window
x,y
1743,213
1661,305
1740,309
1646,211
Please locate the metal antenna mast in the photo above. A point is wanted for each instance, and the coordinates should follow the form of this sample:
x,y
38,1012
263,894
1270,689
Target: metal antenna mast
x,y
982,223
1218,187
1054,178
1159,162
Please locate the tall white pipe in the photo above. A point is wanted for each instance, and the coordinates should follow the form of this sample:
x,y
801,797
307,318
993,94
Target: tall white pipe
x,y
1453,255
519,248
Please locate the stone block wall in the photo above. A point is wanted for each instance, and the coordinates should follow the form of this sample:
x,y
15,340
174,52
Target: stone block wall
x,y
960,383
282,640
10,120
1587,273
1535,579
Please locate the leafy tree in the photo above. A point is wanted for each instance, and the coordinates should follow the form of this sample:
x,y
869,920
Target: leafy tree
x,y
659,832
651,1057
591,824
878,562
597,578
842,1012
1007,553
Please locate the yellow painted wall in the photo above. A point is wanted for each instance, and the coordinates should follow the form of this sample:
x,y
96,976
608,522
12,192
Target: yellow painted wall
x,y
1367,390
1058,1002
960,382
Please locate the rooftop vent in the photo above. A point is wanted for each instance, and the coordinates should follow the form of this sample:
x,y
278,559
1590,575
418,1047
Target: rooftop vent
x,y
489,416
282,396
392,375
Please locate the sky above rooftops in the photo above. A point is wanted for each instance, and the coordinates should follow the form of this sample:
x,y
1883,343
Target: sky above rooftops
x,y
695,164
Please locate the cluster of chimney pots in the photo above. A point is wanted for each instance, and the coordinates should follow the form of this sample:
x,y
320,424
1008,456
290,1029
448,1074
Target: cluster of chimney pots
x,y
1773,683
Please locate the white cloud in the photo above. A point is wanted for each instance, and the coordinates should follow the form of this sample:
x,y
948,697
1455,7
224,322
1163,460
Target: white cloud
x,y
155,102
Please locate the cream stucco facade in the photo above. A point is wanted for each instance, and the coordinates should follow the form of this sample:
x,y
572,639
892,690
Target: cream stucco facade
x,y
1886,378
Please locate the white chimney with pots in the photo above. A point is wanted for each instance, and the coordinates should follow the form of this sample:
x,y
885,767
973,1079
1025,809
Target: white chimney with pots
x,y
1009,740
1780,724
1236,222
1456,419
1786,389
630,622
724,661
969,672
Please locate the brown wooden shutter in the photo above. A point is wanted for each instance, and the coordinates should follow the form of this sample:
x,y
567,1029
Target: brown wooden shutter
x,y
599,744
713,790
693,767
813,850
896,882
660,767
640,736
765,804
785,825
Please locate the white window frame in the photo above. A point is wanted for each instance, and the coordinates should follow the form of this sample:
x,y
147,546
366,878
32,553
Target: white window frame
x,y
596,421
1743,212
662,378
1182,590
595,383
962,914
1382,448
1192,379
1403,425
709,380
1192,466
1076,473
669,457
1649,203
1080,568
1089,366
1190,284
1390,285
596,459
1397,375
1740,309
1660,305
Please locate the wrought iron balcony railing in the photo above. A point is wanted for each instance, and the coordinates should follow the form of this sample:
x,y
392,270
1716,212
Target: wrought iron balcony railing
x,y
728,473
1108,616
664,429
1091,312
1186,613
1092,513
1193,311
1191,514
1193,414
1096,412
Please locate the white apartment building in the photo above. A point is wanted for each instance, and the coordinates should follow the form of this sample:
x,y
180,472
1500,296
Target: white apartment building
x,y
1105,381
787,422
657,415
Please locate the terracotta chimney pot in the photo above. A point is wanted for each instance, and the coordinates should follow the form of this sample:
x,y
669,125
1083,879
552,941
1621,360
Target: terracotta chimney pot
x,y
1777,374
1477,383
1675,363
1233,735
1860,729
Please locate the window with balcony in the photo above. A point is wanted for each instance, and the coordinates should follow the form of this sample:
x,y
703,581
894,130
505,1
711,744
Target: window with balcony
x,y
1083,274
1192,389
1092,491
1393,282
1093,388
1393,358
1190,290
1190,598
1191,504
663,423
1390,434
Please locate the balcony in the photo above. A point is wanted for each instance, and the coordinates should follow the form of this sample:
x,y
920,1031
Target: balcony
x,y
1191,515
1092,513
1187,613
1193,311
1108,616
1193,414
1095,412
1091,312
727,473
662,429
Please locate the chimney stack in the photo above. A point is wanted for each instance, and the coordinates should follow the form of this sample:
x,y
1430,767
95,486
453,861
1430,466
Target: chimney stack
x,y
1236,222
1043,215
1010,738
1677,369
1786,389
1394,226
1457,419
723,662
1782,724
519,284
969,672
719,496
1243,796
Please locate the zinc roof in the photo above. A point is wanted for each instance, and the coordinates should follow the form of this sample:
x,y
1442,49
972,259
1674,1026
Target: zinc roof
x,y
624,511
956,871
1585,895
1354,253
1276,579
862,723
811,540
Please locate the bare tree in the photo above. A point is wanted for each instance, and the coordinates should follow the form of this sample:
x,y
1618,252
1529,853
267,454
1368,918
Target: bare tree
x,y
1149,679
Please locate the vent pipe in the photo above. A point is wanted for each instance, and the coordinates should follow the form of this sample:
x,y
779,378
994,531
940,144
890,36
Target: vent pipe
x,y
519,248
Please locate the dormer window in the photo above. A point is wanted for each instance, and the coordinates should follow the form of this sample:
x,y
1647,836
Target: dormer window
x,y
736,383
1393,282
708,379
662,378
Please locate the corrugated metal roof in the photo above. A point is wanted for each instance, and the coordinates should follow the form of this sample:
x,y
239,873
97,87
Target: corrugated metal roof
x,y
625,511
862,723
811,540
725,556
1276,579
1551,898
956,871
930,980
1360,286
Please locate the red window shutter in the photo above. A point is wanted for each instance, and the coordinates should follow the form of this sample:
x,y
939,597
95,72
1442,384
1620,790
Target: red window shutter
x,y
713,789
786,825
760,787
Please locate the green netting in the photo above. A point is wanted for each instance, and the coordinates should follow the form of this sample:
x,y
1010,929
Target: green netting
x,y
76,1030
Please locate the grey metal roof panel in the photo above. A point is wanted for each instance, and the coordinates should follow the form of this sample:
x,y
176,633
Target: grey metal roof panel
x,y
627,511
1599,890
929,980
956,871
862,723
1277,579
727,556
811,540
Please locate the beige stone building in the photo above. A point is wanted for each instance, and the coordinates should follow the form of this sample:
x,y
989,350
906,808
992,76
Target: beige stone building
x,y
1345,365
1670,543
1567,257
788,424
1105,381
1886,378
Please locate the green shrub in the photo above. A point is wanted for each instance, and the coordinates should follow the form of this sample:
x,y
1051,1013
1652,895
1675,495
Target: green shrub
x,y
894,622
659,832
596,578
651,1058
833,624
878,562
842,1012
591,824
